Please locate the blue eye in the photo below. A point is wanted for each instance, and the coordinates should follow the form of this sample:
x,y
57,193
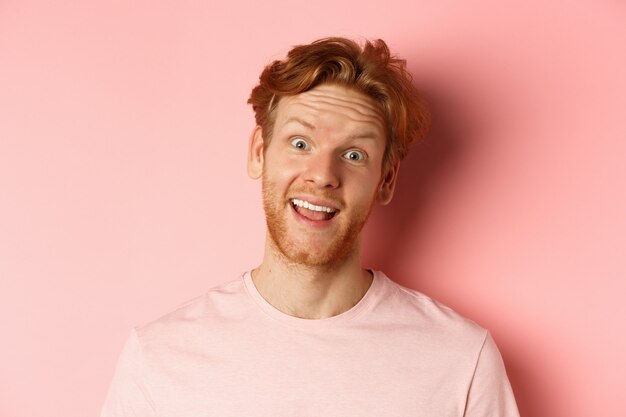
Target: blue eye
x,y
354,155
300,144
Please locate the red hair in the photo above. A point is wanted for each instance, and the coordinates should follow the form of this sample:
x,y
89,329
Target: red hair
x,y
369,69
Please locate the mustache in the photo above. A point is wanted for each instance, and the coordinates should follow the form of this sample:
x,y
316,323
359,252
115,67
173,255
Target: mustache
x,y
330,197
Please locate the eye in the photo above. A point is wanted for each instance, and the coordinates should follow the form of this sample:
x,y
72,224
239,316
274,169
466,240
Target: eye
x,y
300,144
354,155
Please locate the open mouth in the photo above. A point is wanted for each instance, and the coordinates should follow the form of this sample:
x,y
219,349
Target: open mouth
x,y
311,211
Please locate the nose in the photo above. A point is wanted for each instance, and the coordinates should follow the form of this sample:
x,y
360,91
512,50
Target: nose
x,y
322,170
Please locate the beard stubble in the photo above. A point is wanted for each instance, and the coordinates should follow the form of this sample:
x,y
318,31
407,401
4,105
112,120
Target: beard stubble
x,y
340,247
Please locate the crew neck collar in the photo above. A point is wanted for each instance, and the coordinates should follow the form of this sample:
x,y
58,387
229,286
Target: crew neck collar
x,y
364,303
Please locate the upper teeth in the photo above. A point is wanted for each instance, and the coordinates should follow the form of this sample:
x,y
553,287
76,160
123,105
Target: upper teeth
x,y
307,205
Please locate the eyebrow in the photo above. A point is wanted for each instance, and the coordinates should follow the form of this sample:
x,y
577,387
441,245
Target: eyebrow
x,y
300,121
308,125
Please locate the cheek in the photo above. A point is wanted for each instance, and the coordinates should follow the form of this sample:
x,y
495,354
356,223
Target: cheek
x,y
280,172
364,189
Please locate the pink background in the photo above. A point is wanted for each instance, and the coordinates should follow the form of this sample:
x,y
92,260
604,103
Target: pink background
x,y
123,132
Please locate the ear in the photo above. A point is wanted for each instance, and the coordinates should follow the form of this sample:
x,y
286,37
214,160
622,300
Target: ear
x,y
255,153
387,184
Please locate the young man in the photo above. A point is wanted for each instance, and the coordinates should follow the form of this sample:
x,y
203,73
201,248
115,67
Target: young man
x,y
309,332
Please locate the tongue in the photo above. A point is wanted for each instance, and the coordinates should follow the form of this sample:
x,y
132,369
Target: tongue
x,y
312,214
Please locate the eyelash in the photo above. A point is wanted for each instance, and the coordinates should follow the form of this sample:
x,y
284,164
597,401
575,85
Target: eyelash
x,y
362,158
297,140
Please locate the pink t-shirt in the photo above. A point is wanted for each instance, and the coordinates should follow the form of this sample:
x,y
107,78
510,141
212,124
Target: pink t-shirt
x,y
229,352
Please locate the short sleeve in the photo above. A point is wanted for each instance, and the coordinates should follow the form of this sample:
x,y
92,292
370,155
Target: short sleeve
x,y
128,394
490,393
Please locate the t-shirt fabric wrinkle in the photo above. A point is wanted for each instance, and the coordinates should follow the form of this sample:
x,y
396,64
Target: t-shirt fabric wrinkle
x,y
229,352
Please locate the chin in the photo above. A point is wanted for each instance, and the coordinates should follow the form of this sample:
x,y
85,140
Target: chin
x,y
311,253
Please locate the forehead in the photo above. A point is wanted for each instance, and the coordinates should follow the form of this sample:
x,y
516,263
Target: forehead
x,y
331,106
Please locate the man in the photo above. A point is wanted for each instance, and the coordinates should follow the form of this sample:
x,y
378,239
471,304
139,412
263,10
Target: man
x,y
309,332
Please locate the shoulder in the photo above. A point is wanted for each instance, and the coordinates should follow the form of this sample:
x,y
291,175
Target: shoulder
x,y
187,320
420,312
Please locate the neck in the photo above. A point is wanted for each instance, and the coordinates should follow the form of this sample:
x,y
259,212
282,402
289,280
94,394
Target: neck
x,y
311,291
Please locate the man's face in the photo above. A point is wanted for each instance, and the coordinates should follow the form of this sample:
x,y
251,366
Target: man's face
x,y
322,173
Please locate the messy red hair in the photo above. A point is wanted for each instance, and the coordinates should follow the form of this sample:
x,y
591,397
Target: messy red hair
x,y
369,69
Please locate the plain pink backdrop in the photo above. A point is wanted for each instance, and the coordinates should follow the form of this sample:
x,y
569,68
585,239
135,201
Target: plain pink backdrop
x,y
123,193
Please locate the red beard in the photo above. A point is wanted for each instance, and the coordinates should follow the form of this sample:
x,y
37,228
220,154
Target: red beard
x,y
332,252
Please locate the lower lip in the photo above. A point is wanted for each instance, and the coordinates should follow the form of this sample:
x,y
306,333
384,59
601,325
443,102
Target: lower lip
x,y
318,224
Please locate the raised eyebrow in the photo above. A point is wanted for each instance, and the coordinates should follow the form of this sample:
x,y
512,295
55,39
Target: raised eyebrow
x,y
299,121
367,135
